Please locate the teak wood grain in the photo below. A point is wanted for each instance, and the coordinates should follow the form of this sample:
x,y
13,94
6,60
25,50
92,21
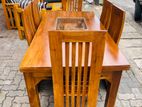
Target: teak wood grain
x,y
36,63
35,55
72,5
28,22
36,13
65,83
116,23
106,13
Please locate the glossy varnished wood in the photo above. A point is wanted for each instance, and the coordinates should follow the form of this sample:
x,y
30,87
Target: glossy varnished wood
x,y
38,56
32,89
28,22
116,23
73,40
72,5
36,13
37,62
106,13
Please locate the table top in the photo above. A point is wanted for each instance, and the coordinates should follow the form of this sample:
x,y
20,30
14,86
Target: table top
x,y
37,56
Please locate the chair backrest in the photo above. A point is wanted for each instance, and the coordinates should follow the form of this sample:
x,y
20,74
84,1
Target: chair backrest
x,y
72,5
106,13
36,13
28,23
76,70
19,23
116,23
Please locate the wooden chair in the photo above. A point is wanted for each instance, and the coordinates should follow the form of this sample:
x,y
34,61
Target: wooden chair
x,y
116,23
36,13
106,13
28,23
12,12
9,14
72,5
76,76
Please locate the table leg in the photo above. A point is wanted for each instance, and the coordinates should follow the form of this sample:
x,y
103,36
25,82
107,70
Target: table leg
x,y
32,90
112,89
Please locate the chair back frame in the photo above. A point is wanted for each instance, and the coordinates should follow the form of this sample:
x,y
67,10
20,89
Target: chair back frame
x,y
36,13
28,22
116,23
19,23
106,13
72,5
69,72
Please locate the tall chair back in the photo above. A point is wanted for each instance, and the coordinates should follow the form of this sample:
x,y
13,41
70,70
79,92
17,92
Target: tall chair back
x,y
117,23
76,70
36,13
28,23
72,5
106,13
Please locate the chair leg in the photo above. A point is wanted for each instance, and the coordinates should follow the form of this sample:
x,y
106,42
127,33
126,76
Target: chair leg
x,y
112,89
32,90
6,16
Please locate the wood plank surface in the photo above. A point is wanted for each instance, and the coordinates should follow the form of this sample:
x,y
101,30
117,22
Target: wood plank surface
x,y
37,56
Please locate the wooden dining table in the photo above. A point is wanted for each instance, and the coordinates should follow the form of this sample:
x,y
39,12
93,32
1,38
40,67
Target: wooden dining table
x,y
36,63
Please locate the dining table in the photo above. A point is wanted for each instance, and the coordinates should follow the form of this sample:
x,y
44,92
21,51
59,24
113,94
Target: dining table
x,y
36,63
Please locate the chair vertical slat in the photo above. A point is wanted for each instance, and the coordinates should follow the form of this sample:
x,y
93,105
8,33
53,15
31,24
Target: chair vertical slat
x,y
80,5
75,1
73,74
11,17
85,73
68,7
73,5
67,73
64,4
79,73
